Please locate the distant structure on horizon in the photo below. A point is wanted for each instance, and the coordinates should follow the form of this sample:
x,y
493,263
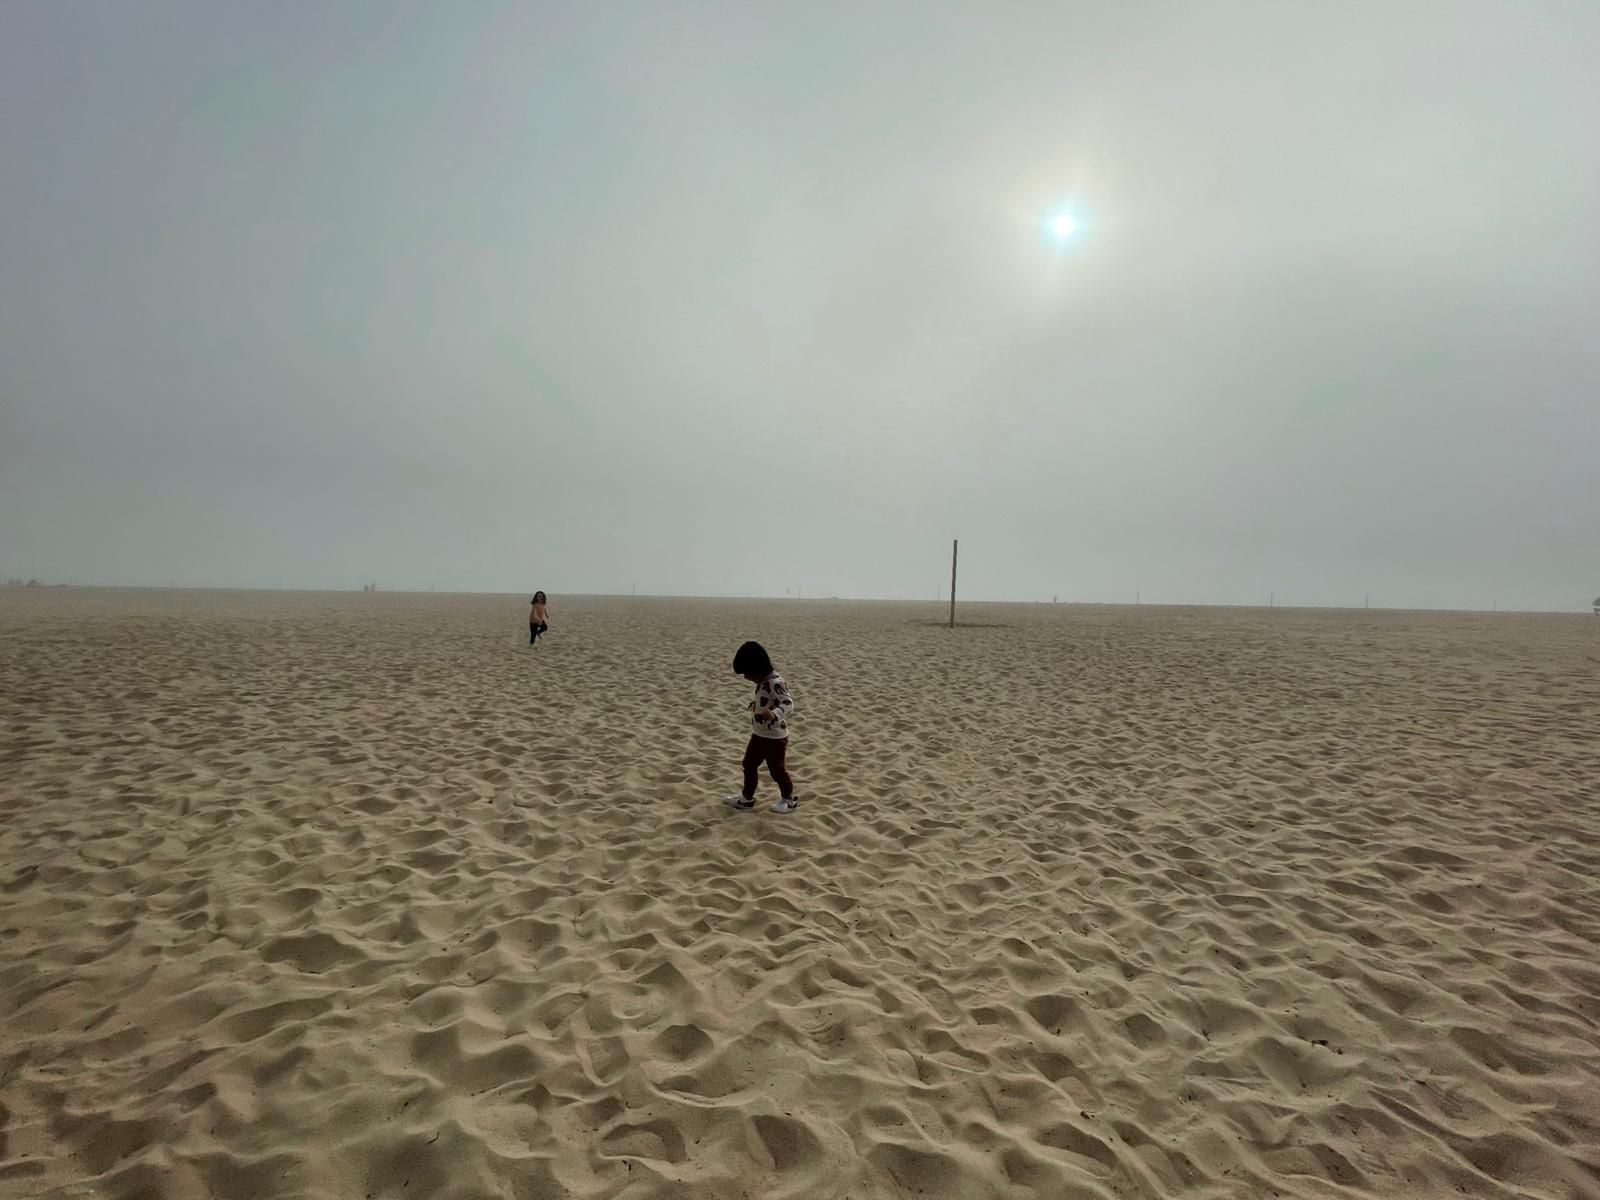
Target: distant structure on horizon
x,y
1597,606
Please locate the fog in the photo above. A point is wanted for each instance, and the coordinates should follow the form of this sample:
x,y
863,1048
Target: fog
x,y
740,299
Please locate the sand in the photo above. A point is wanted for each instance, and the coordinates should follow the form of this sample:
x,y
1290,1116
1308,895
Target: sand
x,y
356,896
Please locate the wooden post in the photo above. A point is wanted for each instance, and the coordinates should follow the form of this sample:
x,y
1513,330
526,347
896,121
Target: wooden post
x,y
954,547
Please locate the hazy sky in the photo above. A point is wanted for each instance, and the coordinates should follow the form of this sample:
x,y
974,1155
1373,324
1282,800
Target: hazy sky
x,y
733,298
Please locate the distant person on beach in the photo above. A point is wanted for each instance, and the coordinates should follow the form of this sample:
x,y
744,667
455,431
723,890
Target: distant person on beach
x,y
769,741
538,618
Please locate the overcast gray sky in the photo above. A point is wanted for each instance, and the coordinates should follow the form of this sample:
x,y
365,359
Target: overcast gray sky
x,y
733,298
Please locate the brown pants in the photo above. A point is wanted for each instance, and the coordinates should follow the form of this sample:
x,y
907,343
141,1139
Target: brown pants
x,y
770,751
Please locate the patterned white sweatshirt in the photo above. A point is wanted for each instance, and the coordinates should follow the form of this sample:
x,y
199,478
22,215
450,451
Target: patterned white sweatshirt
x,y
773,696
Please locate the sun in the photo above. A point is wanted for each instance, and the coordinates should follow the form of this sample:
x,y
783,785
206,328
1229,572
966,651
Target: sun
x,y
1066,227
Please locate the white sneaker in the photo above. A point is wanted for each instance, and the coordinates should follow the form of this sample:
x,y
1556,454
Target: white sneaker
x,y
785,804
738,803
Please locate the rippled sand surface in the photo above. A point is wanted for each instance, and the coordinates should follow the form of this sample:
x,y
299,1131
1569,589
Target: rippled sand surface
x,y
356,896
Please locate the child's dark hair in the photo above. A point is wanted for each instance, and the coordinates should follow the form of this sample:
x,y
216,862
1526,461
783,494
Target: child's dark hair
x,y
539,598
752,660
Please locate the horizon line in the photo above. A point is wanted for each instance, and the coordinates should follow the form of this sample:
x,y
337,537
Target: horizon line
x,y
942,603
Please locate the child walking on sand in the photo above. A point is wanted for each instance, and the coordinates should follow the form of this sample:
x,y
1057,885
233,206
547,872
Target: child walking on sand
x,y
538,618
769,741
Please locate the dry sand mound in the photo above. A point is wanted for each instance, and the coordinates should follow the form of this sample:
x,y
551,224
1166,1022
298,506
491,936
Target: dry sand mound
x,y
356,896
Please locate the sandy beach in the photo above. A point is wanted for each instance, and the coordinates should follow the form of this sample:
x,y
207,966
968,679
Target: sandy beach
x,y
356,896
